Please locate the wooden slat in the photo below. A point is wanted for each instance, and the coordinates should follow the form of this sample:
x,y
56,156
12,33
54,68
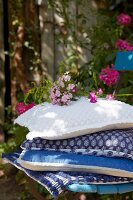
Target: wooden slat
x,y
51,24
89,10
59,47
46,18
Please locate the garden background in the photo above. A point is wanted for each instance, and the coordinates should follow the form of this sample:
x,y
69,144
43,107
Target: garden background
x,y
40,39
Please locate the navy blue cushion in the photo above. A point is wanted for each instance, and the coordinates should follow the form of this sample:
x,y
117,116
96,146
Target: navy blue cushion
x,y
109,143
61,161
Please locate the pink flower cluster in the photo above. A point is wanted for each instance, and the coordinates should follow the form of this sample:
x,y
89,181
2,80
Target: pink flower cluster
x,y
63,91
123,45
21,107
99,91
124,19
93,96
109,97
109,76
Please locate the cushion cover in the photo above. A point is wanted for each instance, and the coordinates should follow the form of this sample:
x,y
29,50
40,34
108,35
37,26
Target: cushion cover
x,y
55,182
80,117
61,161
101,189
111,143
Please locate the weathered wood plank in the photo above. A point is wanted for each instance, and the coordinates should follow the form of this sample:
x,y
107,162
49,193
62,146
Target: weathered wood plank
x,y
46,18
59,47
52,27
89,10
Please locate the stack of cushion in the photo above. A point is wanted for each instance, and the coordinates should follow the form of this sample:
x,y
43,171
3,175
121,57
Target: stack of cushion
x,y
82,137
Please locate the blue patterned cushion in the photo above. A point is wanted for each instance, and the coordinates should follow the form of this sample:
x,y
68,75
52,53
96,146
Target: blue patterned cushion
x,y
44,160
108,143
56,182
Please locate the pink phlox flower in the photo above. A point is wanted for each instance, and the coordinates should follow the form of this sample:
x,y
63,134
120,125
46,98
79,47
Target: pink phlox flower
x,y
58,100
93,97
99,91
54,101
62,91
61,83
109,97
71,86
66,78
129,48
75,90
52,95
57,93
124,19
123,45
21,107
109,76
65,98
29,106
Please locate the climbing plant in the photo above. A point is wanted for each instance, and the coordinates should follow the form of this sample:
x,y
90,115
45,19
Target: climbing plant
x,y
24,45
103,40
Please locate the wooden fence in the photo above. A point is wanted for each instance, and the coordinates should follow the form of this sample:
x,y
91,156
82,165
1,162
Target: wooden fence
x,y
51,25
52,53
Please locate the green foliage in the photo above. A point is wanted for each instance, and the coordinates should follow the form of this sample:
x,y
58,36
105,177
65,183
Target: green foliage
x,y
16,135
38,94
100,39
68,35
104,51
31,35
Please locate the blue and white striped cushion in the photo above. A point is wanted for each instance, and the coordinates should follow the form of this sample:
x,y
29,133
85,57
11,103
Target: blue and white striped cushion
x,y
56,182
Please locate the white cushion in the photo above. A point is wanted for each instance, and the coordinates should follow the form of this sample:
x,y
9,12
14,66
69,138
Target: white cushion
x,y
79,118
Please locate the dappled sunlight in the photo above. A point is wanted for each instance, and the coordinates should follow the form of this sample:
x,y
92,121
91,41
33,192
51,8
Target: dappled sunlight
x,y
80,117
50,115
112,142
110,110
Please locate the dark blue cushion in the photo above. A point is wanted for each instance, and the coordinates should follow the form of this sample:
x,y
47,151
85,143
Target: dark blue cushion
x,y
111,143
